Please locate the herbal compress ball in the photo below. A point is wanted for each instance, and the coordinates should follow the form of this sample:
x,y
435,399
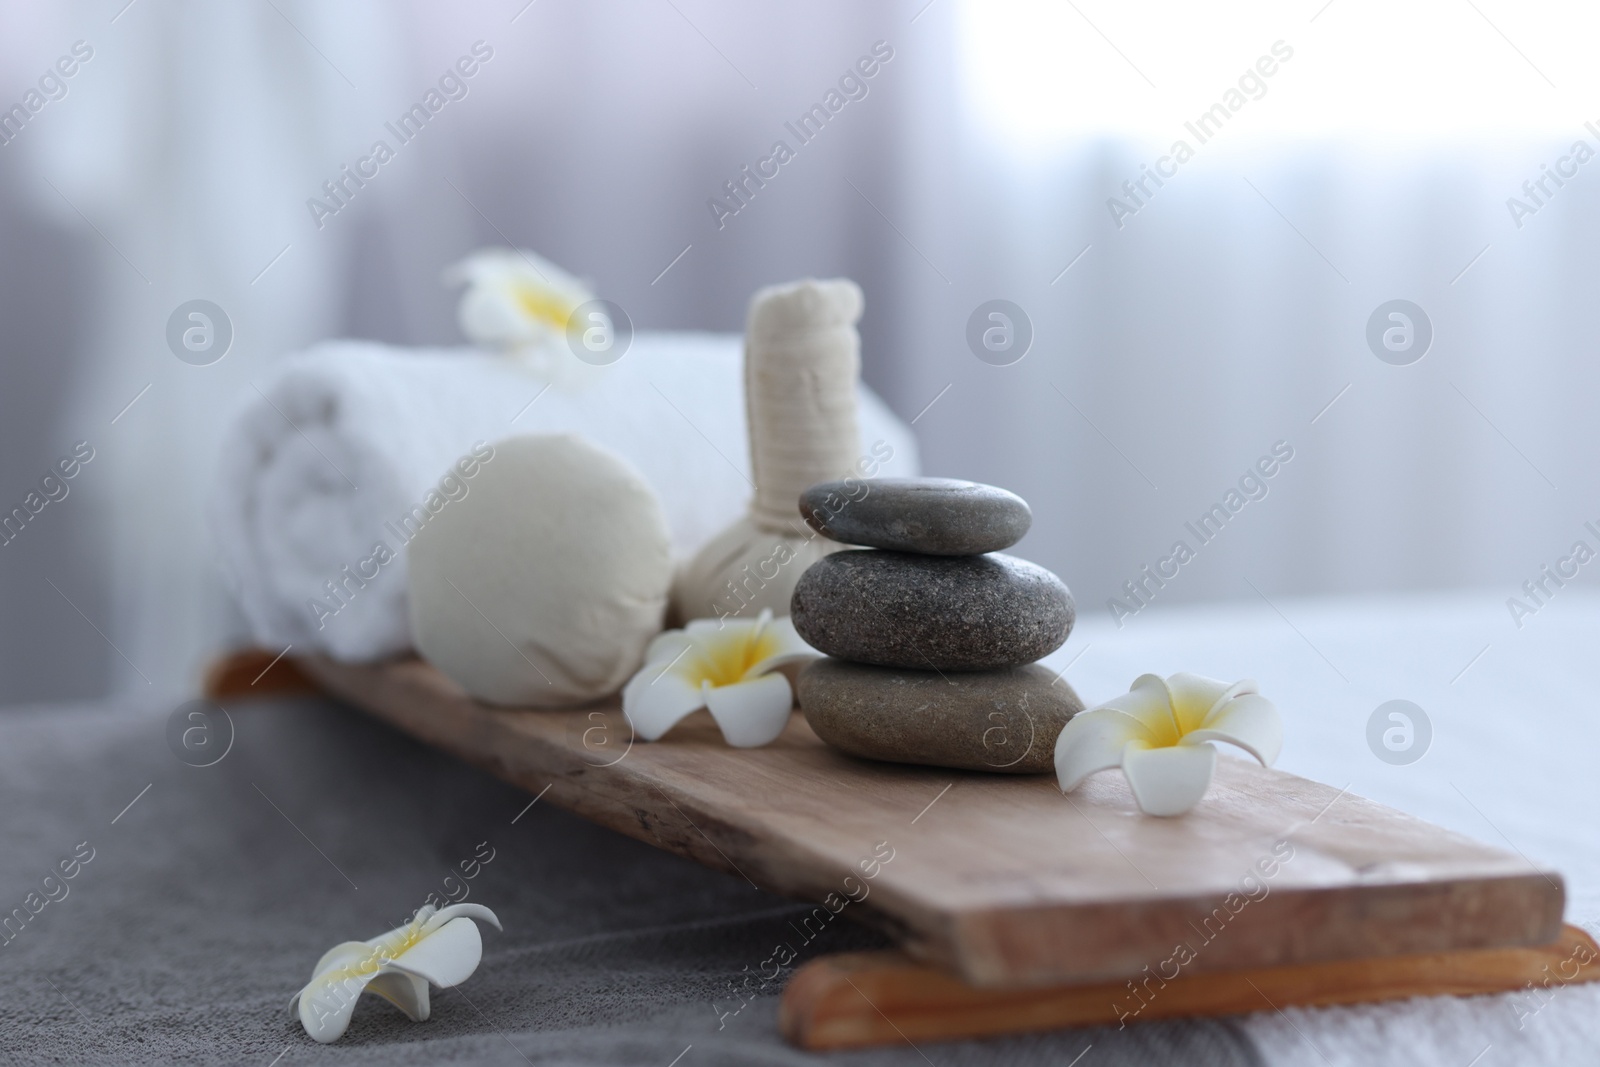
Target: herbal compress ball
x,y
546,583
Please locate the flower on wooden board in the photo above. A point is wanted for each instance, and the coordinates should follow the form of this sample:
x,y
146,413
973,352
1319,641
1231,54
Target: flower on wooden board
x,y
727,666
1160,734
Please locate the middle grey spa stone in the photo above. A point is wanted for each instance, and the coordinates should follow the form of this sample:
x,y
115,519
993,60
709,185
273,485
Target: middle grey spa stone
x,y
1005,721
931,613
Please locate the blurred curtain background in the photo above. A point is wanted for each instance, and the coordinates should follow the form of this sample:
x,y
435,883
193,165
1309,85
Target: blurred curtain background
x,y
1169,352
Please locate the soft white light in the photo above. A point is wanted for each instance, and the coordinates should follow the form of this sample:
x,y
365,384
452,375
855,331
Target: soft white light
x,y
1039,72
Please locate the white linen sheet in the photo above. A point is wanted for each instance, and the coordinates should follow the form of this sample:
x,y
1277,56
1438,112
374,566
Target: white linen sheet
x,y
1511,763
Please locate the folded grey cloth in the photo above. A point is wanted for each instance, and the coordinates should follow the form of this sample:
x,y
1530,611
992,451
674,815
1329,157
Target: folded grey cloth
x,y
207,901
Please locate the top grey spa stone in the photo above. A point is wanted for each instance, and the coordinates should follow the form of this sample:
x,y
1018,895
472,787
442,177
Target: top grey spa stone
x,y
931,613
933,516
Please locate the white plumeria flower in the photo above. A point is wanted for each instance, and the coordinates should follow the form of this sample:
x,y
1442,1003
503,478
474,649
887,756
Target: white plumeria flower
x,y
515,299
724,665
440,946
1159,732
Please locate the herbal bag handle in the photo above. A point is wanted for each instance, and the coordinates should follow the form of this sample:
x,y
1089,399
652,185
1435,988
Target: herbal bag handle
x,y
802,364
802,361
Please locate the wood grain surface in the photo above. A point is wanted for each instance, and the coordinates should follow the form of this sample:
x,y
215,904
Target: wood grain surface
x,y
1002,880
886,998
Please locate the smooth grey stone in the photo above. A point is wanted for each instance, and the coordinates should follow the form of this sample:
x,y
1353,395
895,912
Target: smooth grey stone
x,y
939,613
1004,721
934,516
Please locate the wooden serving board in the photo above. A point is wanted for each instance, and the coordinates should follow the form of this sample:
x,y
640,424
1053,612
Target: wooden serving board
x,y
1002,880
856,999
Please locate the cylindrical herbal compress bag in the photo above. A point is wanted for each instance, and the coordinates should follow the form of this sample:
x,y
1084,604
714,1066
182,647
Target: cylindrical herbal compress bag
x,y
802,363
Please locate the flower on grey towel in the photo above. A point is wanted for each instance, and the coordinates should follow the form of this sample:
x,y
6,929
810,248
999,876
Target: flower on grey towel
x,y
441,946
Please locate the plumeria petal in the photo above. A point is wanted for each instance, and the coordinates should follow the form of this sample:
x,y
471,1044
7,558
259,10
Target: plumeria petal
x,y
1249,721
790,648
1148,701
1094,741
656,699
354,955
1195,696
454,911
327,1003
446,957
407,992
1169,780
345,954
666,647
751,713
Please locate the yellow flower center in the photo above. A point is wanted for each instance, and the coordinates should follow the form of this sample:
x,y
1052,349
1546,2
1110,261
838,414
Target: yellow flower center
x,y
383,953
1184,714
543,305
725,658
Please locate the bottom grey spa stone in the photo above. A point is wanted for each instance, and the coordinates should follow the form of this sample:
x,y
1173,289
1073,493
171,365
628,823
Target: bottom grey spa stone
x,y
1005,720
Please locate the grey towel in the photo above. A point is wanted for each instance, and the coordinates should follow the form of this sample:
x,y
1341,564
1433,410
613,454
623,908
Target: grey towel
x,y
208,900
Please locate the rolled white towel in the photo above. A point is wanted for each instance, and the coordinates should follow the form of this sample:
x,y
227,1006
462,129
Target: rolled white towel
x,y
325,475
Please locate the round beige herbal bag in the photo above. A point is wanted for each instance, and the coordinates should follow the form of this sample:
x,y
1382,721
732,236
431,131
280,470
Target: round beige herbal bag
x,y
543,585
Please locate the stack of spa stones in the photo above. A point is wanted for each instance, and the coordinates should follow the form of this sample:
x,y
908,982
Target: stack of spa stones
x,y
931,634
